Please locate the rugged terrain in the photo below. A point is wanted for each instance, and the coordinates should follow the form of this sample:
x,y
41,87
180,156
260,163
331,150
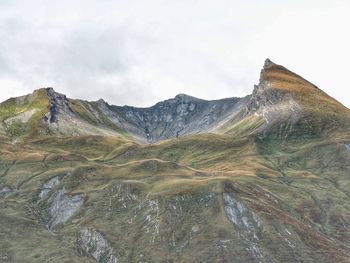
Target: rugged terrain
x,y
264,178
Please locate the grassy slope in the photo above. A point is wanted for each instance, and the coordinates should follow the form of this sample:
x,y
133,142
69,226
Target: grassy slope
x,y
322,111
308,180
305,92
14,106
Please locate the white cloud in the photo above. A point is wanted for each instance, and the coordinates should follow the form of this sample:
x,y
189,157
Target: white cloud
x,y
140,52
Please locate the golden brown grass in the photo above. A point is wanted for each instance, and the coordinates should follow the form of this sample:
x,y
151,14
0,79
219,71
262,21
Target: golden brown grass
x,y
309,95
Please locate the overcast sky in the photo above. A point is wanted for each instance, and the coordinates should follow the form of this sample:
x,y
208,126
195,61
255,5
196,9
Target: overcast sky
x,y
140,52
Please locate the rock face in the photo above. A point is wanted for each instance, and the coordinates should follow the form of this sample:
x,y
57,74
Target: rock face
x,y
48,186
93,244
58,104
180,116
62,207
247,223
63,118
273,104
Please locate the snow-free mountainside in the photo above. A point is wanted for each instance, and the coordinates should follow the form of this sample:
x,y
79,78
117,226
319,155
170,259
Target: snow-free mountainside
x,y
264,178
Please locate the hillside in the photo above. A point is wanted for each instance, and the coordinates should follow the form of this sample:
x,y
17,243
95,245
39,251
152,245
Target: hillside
x,y
264,178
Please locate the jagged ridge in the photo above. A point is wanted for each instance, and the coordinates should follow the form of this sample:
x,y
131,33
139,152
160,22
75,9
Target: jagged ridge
x,y
280,97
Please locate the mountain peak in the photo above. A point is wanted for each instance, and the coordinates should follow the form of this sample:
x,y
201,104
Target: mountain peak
x,y
101,101
184,97
268,64
282,78
49,89
45,89
51,92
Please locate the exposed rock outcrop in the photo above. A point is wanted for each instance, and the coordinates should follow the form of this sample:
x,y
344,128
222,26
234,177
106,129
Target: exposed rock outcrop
x,y
65,119
247,223
48,186
180,116
272,103
93,244
58,104
5,191
61,207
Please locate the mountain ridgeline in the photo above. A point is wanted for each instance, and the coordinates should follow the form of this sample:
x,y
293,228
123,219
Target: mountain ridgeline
x,y
175,117
262,179
279,97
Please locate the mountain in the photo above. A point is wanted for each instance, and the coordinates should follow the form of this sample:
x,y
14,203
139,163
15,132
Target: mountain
x,y
61,116
264,178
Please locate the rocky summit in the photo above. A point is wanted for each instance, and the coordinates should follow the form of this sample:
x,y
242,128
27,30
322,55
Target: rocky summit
x,y
264,178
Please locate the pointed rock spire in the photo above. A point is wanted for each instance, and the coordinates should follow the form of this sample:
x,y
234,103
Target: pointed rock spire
x,y
268,63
